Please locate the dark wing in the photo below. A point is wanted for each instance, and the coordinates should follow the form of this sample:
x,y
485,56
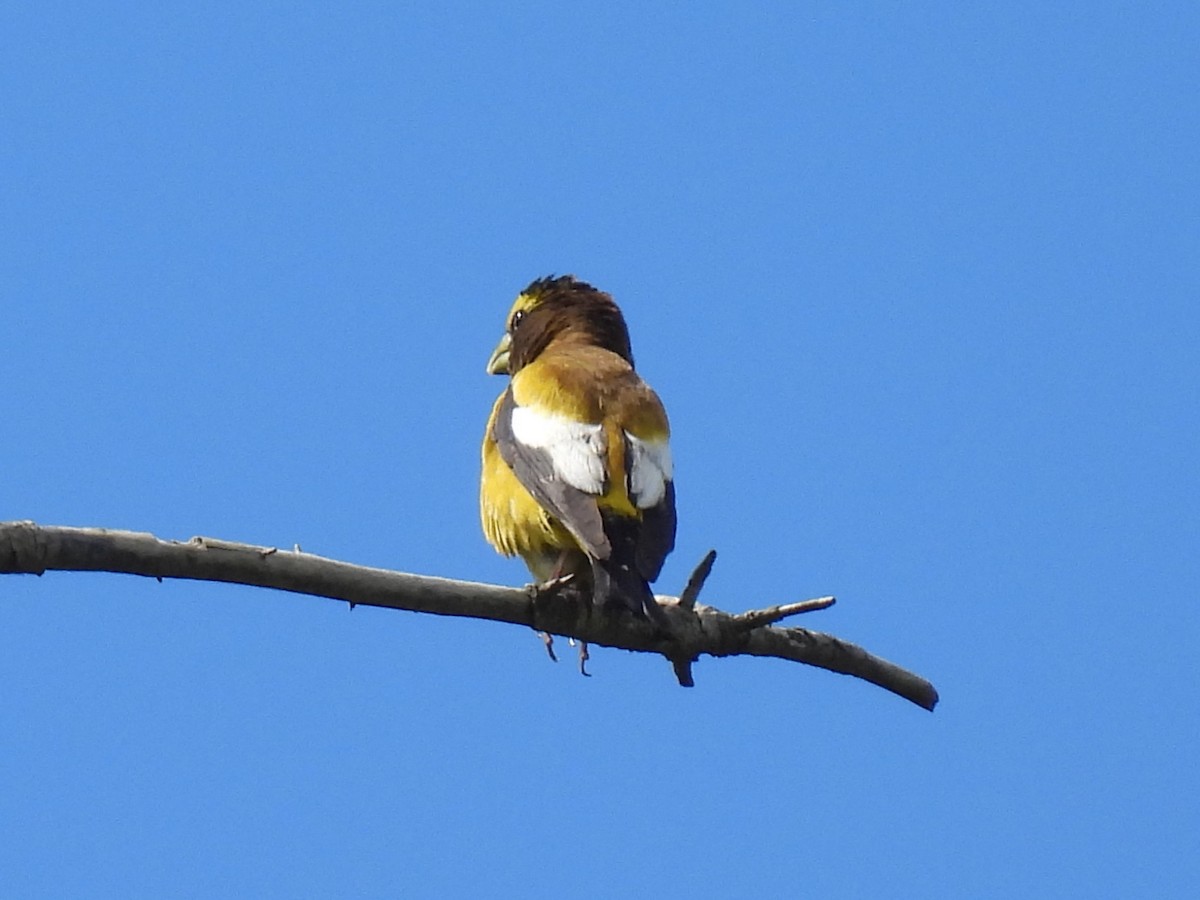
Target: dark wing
x,y
656,537
534,468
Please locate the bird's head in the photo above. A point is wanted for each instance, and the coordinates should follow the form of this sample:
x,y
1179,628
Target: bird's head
x,y
558,309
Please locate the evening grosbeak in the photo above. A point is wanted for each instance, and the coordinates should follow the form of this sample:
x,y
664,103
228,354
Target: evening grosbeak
x,y
576,463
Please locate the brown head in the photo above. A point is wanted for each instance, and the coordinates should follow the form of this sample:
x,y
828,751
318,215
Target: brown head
x,y
559,309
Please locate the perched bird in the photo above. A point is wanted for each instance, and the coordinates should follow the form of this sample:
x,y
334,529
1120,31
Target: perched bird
x,y
576,461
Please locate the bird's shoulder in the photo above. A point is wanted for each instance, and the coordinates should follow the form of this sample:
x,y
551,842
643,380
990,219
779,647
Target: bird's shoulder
x,y
590,384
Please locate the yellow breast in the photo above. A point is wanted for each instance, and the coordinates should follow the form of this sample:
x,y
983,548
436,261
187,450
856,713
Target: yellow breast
x,y
513,522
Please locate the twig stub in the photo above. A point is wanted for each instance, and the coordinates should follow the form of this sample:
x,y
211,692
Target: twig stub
x,y
691,590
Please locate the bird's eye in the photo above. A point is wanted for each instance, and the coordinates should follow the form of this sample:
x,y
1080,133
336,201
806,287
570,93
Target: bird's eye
x,y
516,319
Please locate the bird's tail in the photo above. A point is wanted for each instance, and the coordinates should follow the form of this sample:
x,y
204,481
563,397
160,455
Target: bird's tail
x,y
618,582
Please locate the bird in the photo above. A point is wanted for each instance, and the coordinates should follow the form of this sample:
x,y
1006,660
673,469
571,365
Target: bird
x,y
577,476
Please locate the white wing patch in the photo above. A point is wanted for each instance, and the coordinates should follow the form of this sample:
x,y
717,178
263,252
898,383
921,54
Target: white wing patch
x,y
649,470
575,448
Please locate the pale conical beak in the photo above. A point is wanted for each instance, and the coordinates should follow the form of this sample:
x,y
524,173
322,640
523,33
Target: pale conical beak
x,y
497,363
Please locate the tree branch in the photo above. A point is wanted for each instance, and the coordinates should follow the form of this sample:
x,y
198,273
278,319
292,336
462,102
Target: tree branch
x,y
26,547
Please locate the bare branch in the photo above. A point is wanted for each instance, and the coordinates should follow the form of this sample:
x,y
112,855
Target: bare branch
x,y
26,547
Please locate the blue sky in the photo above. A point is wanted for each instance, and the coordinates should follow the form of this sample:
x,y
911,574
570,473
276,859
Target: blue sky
x,y
919,287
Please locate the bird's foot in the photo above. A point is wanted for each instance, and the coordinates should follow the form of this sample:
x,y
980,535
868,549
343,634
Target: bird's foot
x,y
538,591
584,656
552,586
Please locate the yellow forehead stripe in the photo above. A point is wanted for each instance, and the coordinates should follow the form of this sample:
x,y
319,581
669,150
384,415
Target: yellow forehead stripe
x,y
523,303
